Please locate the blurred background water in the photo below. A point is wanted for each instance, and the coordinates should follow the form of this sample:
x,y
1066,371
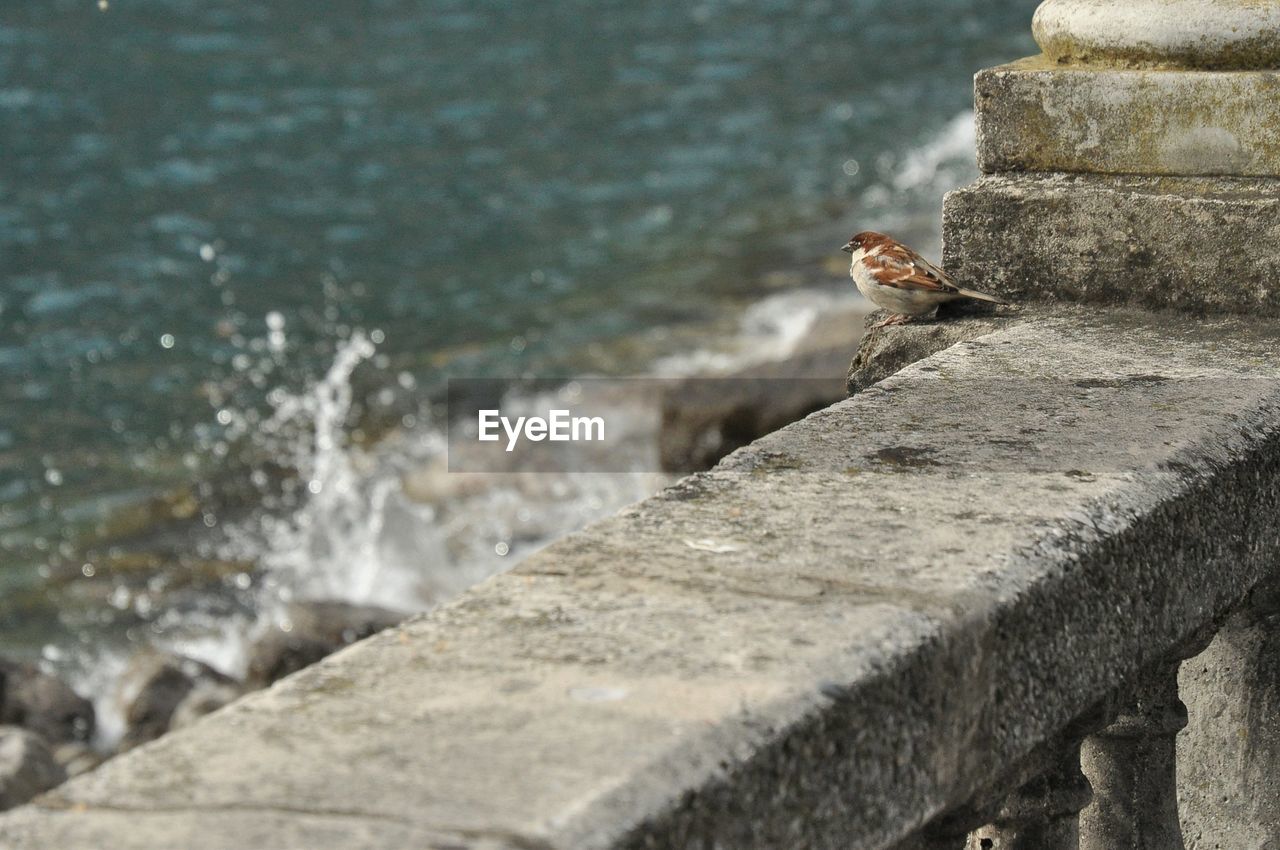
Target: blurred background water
x,y
238,237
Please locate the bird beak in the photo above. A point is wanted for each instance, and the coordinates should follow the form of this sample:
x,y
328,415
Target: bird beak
x,y
848,248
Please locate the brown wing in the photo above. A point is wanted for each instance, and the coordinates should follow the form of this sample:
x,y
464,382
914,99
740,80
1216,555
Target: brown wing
x,y
898,266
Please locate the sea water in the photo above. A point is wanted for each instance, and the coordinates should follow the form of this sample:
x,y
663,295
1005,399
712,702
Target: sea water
x,y
244,244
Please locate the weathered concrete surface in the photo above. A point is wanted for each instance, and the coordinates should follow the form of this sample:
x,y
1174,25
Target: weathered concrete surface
x,y
843,630
1035,115
1209,34
1204,244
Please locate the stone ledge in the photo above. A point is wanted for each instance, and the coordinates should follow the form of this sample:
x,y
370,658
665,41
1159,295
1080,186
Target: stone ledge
x,y
1036,115
1196,244
887,351
840,632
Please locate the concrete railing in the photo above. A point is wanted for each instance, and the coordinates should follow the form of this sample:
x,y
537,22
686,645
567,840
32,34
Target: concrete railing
x,y
886,625
954,610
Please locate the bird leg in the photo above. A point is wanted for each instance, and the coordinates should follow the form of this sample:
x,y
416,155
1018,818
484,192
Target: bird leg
x,y
892,319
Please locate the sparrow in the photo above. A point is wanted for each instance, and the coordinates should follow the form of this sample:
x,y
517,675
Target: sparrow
x,y
901,281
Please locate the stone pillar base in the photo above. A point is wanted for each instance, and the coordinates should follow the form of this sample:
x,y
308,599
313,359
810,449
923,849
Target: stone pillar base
x,y
1156,185
1037,115
1192,243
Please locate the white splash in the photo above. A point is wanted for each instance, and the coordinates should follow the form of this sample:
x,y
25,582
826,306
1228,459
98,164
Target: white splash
x,y
941,158
770,329
904,200
389,524
332,546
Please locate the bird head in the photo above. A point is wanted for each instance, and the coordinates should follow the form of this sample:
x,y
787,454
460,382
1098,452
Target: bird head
x,y
863,241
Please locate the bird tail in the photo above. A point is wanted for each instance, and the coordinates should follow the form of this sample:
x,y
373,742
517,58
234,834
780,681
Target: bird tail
x,y
981,296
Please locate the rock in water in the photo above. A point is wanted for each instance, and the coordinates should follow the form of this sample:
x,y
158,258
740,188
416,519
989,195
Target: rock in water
x,y
43,704
277,653
154,686
77,758
706,418
27,767
206,697
315,629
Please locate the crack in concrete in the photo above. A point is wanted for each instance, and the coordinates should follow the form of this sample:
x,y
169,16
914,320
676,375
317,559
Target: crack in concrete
x,y
513,839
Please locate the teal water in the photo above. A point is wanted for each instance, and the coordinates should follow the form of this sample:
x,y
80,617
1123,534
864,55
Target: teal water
x,y
202,201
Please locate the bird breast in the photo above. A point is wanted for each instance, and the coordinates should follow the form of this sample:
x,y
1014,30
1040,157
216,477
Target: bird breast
x,y
908,302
